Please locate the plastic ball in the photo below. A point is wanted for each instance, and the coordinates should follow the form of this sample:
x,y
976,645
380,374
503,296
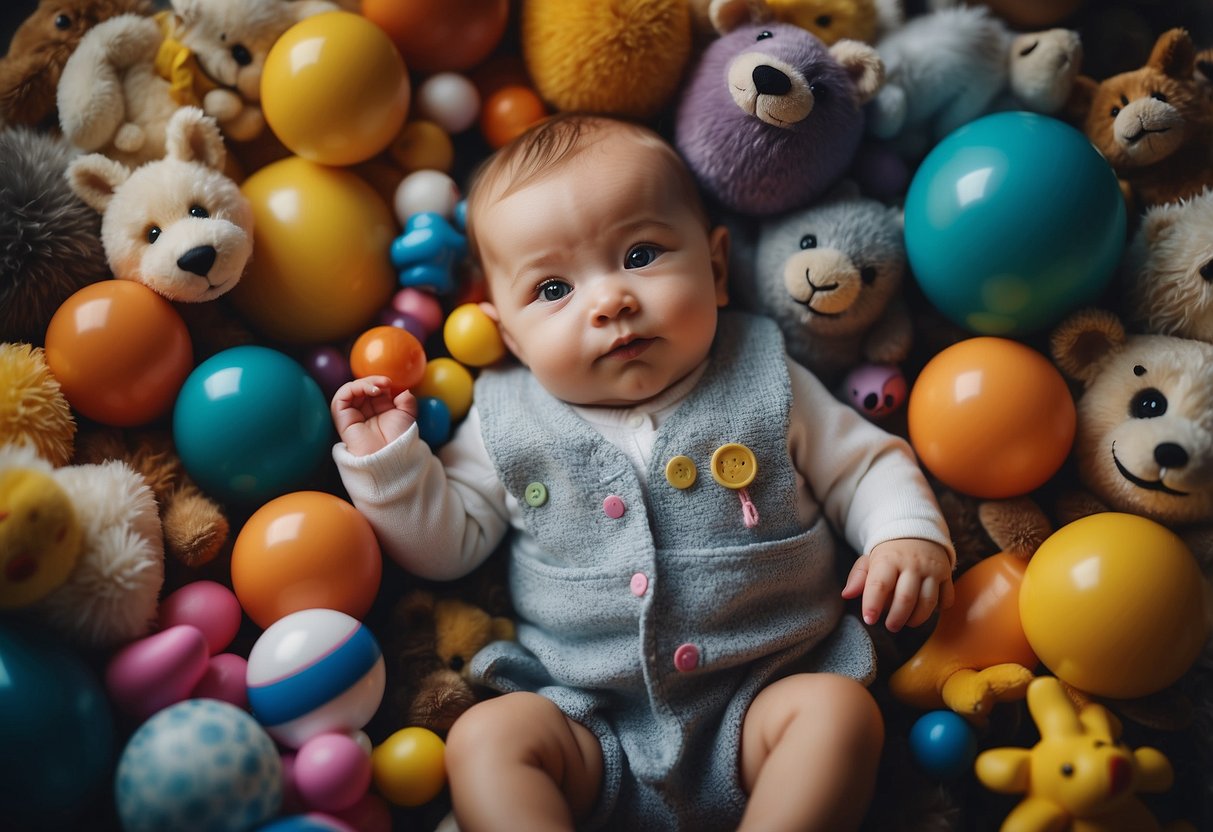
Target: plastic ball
x,y
119,351
334,89
208,605
422,306
40,536
423,145
313,672
332,772
437,35
448,380
224,680
370,814
251,424
402,320
943,744
302,550
1012,221
152,673
321,270
389,351
408,766
1113,604
198,765
433,421
508,112
425,190
450,100
472,337
56,732
991,418
310,822
329,367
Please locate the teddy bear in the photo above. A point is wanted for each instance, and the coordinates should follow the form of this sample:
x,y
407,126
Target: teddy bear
x,y
830,275
830,20
771,117
1153,124
40,46
129,74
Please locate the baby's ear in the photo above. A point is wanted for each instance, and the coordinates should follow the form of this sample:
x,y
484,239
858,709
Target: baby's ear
x,y
95,178
489,309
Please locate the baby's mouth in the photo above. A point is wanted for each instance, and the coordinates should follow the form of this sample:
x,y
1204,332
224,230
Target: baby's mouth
x,y
627,350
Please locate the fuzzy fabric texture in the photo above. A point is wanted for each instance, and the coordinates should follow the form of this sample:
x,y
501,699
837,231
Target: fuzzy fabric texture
x,y
33,410
623,58
50,241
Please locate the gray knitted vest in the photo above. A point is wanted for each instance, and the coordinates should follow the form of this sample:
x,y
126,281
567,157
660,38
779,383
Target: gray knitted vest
x,y
656,626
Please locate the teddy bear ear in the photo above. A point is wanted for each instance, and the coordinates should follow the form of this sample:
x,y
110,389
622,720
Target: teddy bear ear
x,y
193,136
727,15
1082,96
1174,55
94,178
1081,342
863,64
1158,218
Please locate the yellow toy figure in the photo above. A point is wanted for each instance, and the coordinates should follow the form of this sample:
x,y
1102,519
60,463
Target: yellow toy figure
x,y
1079,777
40,537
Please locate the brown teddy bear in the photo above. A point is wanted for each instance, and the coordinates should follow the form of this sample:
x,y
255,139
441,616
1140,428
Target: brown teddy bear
x,y
1153,124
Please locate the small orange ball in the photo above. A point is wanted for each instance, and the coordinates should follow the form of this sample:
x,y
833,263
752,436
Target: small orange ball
x,y
119,351
302,550
423,145
472,337
389,351
991,418
508,112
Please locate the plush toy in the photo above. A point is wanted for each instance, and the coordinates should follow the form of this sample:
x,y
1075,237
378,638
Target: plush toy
x,y
1022,14
429,645
624,58
830,275
771,117
177,225
50,241
29,73
830,20
1153,124
1168,269
1080,776
33,410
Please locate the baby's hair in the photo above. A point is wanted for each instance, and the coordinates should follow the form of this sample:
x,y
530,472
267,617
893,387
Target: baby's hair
x,y
545,147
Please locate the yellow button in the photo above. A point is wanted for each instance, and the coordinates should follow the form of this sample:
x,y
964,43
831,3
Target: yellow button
x,y
680,471
734,466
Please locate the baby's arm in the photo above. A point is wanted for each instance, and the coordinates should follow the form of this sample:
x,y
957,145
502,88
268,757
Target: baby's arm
x,y
915,574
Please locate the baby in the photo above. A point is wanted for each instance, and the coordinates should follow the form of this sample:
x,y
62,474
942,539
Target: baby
x,y
671,479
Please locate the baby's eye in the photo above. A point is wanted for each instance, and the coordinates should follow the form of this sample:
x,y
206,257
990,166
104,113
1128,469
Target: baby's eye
x,y
153,233
641,255
551,290
199,212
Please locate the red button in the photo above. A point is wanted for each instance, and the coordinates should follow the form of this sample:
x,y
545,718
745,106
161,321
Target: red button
x,y
640,584
686,657
613,507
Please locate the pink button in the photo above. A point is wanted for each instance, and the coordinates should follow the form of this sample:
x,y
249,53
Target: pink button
x,y
640,584
613,507
686,657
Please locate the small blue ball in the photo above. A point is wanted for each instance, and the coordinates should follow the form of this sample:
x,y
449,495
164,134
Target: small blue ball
x,y
1011,222
250,424
433,421
943,745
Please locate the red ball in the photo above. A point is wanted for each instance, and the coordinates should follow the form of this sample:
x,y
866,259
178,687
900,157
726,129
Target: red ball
x,y
439,35
389,351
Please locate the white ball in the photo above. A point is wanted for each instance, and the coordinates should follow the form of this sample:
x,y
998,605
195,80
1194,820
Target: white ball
x,y
425,190
449,100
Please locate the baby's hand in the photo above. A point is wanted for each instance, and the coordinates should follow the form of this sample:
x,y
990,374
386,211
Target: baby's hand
x,y
916,573
368,418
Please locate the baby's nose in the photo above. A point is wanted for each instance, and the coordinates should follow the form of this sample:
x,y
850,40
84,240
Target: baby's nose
x,y
612,299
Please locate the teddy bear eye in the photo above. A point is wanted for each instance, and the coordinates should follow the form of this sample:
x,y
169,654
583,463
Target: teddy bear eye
x,y
764,34
808,241
1148,404
62,22
820,91
1158,96
241,54
1067,770
868,275
456,663
824,20
1029,49
1206,271
199,212
153,233
1115,112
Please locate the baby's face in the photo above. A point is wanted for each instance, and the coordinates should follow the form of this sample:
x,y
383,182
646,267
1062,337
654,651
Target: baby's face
x,y
605,280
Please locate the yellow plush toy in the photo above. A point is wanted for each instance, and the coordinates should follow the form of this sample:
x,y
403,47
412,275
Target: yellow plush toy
x,y
830,20
33,411
39,536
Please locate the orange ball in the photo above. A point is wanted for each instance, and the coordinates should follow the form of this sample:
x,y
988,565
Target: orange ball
x,y
389,351
302,550
508,112
991,417
119,351
438,35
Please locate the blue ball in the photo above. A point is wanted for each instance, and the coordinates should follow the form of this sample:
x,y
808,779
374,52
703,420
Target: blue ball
x,y
250,424
1011,222
943,745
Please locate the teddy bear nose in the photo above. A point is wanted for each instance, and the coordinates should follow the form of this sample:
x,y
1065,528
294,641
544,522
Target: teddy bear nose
x,y
1170,455
198,260
770,81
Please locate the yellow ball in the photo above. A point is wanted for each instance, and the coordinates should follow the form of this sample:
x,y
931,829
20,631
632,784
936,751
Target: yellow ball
x,y
472,337
335,89
40,537
423,145
408,767
1113,604
321,270
447,379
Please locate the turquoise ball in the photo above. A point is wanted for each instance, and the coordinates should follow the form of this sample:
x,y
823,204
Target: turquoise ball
x,y
1011,222
250,424
943,745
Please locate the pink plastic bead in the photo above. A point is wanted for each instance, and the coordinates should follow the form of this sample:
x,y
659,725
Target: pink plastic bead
x,y
155,672
207,605
421,306
225,680
332,772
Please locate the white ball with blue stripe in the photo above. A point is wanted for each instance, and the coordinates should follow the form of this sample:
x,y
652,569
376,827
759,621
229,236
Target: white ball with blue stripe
x,y
312,672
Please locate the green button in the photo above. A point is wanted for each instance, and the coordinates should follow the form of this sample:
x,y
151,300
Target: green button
x,y
536,494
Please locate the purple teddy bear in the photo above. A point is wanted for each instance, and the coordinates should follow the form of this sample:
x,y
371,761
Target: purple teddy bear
x,y
771,117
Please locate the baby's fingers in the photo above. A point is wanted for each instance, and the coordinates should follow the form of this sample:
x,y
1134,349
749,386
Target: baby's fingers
x,y
880,584
928,598
906,596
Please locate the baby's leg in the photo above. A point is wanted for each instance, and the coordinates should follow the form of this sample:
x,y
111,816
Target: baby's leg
x,y
810,745
517,762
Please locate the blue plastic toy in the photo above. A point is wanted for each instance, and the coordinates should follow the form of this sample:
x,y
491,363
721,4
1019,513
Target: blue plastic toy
x,y
250,424
433,421
1011,222
943,744
428,251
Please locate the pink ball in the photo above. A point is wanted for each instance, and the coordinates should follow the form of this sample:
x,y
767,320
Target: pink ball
x,y
224,679
421,306
207,605
155,672
332,772
370,814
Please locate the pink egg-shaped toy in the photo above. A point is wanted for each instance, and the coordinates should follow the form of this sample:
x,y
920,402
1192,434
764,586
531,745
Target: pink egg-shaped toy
x,y
224,680
876,390
332,772
208,605
422,306
154,672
